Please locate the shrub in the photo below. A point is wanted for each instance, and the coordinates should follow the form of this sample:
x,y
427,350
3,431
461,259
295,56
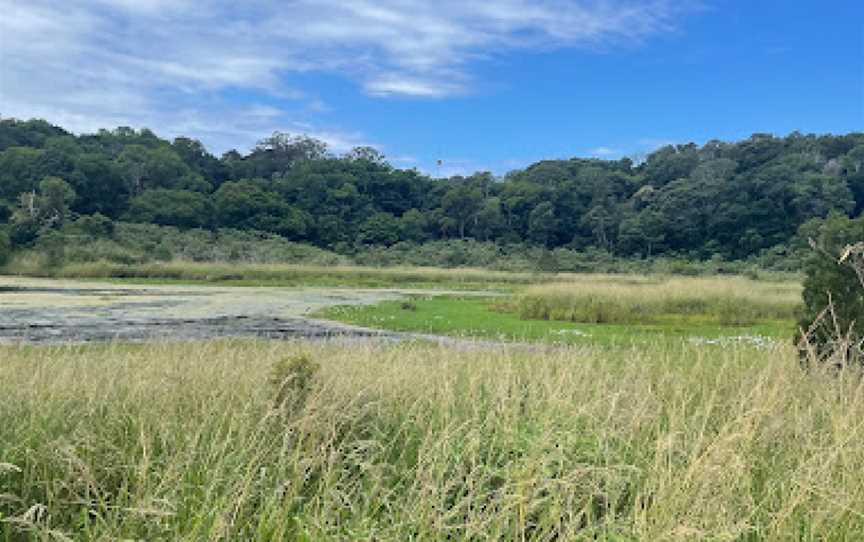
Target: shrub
x,y
162,253
5,247
52,245
834,292
24,233
96,226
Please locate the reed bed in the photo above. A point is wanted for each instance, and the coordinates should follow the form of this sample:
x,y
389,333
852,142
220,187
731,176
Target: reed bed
x,y
280,274
304,273
655,299
413,442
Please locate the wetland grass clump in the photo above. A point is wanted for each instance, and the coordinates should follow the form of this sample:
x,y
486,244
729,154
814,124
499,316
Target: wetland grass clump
x,y
417,442
725,301
293,379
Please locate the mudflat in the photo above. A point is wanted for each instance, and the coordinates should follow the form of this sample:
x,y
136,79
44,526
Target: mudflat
x,y
61,311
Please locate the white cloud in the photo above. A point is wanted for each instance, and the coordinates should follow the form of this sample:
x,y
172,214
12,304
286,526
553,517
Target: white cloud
x,y
394,84
166,64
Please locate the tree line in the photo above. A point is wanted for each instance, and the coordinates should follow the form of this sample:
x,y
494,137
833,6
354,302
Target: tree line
x,y
732,200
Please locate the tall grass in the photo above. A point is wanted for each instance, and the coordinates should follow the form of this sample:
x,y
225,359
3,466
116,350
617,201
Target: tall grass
x,y
277,274
627,300
287,274
299,274
415,442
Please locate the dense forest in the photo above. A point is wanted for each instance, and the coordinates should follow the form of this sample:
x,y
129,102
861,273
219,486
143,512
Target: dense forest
x,y
726,200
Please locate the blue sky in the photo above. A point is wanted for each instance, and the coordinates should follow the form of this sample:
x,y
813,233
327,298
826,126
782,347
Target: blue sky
x,y
489,85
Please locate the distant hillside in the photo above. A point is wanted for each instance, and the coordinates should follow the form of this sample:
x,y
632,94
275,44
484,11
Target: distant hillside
x,y
731,200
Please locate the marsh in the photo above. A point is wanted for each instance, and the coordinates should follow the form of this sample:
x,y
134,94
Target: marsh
x,y
59,311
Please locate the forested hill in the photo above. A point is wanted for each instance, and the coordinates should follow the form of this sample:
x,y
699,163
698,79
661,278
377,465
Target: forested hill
x,y
731,199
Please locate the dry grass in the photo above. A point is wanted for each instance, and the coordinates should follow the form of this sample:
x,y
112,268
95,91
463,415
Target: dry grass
x,y
33,264
634,299
416,442
285,274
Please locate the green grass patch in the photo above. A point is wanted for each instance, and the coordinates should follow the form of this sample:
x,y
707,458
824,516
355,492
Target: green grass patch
x,y
489,318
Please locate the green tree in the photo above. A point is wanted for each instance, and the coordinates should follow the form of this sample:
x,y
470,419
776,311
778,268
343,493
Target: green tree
x,y
460,204
98,184
247,205
489,221
96,226
368,154
144,168
182,208
642,233
542,224
815,195
602,221
280,151
46,209
380,229
20,171
414,226
55,197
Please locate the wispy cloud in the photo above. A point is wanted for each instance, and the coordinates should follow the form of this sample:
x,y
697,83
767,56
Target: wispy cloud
x,y
395,84
605,152
168,63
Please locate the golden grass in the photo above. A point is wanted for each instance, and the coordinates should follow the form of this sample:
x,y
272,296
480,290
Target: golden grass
x,y
275,273
182,441
634,299
32,264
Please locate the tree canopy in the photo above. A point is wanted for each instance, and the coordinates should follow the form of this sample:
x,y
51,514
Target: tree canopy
x,y
729,200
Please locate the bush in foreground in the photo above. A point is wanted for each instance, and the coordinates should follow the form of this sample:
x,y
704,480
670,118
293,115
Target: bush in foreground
x,y
834,291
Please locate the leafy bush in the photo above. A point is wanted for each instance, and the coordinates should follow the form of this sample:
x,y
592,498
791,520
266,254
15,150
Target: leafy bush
x,y
52,246
5,247
832,283
96,226
24,233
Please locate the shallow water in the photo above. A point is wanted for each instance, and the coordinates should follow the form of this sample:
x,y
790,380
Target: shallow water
x,y
60,311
